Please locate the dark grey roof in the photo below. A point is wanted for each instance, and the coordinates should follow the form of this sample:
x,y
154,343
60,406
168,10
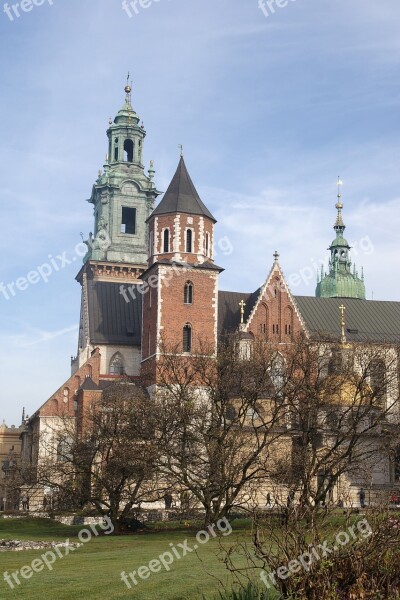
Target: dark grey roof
x,y
181,196
229,310
183,265
113,320
89,385
366,320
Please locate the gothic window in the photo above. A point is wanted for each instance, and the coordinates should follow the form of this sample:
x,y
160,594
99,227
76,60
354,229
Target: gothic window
x,y
264,326
335,365
128,221
188,293
207,244
378,380
64,450
187,338
151,241
128,151
117,365
189,240
166,241
277,373
116,153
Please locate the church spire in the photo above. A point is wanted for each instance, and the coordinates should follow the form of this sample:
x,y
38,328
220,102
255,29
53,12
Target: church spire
x,y
340,281
339,226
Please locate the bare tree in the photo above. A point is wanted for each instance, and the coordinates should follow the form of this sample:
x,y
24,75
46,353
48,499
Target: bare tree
x,y
106,456
219,419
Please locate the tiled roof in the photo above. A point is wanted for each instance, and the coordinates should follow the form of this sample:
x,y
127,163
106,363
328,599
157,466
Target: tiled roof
x,y
113,320
366,320
181,196
229,309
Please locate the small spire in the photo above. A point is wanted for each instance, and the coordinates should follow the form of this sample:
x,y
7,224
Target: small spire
x,y
242,305
276,257
128,90
342,309
339,224
151,171
23,415
181,149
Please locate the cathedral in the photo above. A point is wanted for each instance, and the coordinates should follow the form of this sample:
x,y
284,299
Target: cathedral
x,y
149,275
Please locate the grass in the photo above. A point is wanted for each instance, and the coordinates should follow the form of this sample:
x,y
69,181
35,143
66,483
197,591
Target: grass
x,y
93,571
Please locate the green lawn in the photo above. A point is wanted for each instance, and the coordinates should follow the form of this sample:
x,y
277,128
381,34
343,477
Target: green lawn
x,y
93,571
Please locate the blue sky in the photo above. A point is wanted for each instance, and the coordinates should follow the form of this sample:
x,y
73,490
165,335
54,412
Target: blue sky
x,y
270,109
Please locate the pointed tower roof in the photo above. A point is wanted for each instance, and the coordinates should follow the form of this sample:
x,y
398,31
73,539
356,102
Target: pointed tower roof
x,y
340,281
182,197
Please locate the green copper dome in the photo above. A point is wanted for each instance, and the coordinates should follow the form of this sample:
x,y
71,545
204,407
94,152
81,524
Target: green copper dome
x,y
341,281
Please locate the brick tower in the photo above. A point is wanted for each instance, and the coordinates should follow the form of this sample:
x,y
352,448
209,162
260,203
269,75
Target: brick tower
x,y
180,301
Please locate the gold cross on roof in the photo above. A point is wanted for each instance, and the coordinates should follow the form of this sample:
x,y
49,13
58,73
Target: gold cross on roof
x,y
242,305
342,308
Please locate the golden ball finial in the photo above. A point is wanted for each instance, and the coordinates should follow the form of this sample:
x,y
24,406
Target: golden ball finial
x,y
128,89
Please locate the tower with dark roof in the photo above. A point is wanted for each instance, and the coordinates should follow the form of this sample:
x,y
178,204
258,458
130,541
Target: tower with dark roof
x,y
180,286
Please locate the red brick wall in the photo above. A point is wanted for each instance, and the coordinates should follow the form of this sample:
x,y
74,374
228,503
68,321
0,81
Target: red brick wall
x,y
158,224
174,314
55,405
275,318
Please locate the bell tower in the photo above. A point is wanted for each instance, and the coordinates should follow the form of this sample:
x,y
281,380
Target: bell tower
x,y
341,281
123,198
180,301
123,195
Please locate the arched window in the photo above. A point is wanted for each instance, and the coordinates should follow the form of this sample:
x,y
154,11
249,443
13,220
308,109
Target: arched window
x,y
188,293
378,380
128,151
187,338
166,241
189,240
265,325
207,244
117,365
64,450
277,373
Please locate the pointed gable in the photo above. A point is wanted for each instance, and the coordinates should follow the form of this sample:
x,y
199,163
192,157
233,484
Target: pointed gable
x,y
275,316
182,197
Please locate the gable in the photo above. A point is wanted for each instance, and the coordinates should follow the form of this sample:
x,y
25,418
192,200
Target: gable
x,y
275,316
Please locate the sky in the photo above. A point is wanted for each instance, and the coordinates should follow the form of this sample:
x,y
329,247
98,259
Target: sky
x,y
271,101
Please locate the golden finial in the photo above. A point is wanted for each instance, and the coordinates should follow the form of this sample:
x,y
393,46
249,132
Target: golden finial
x,y
242,305
342,309
128,87
339,204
